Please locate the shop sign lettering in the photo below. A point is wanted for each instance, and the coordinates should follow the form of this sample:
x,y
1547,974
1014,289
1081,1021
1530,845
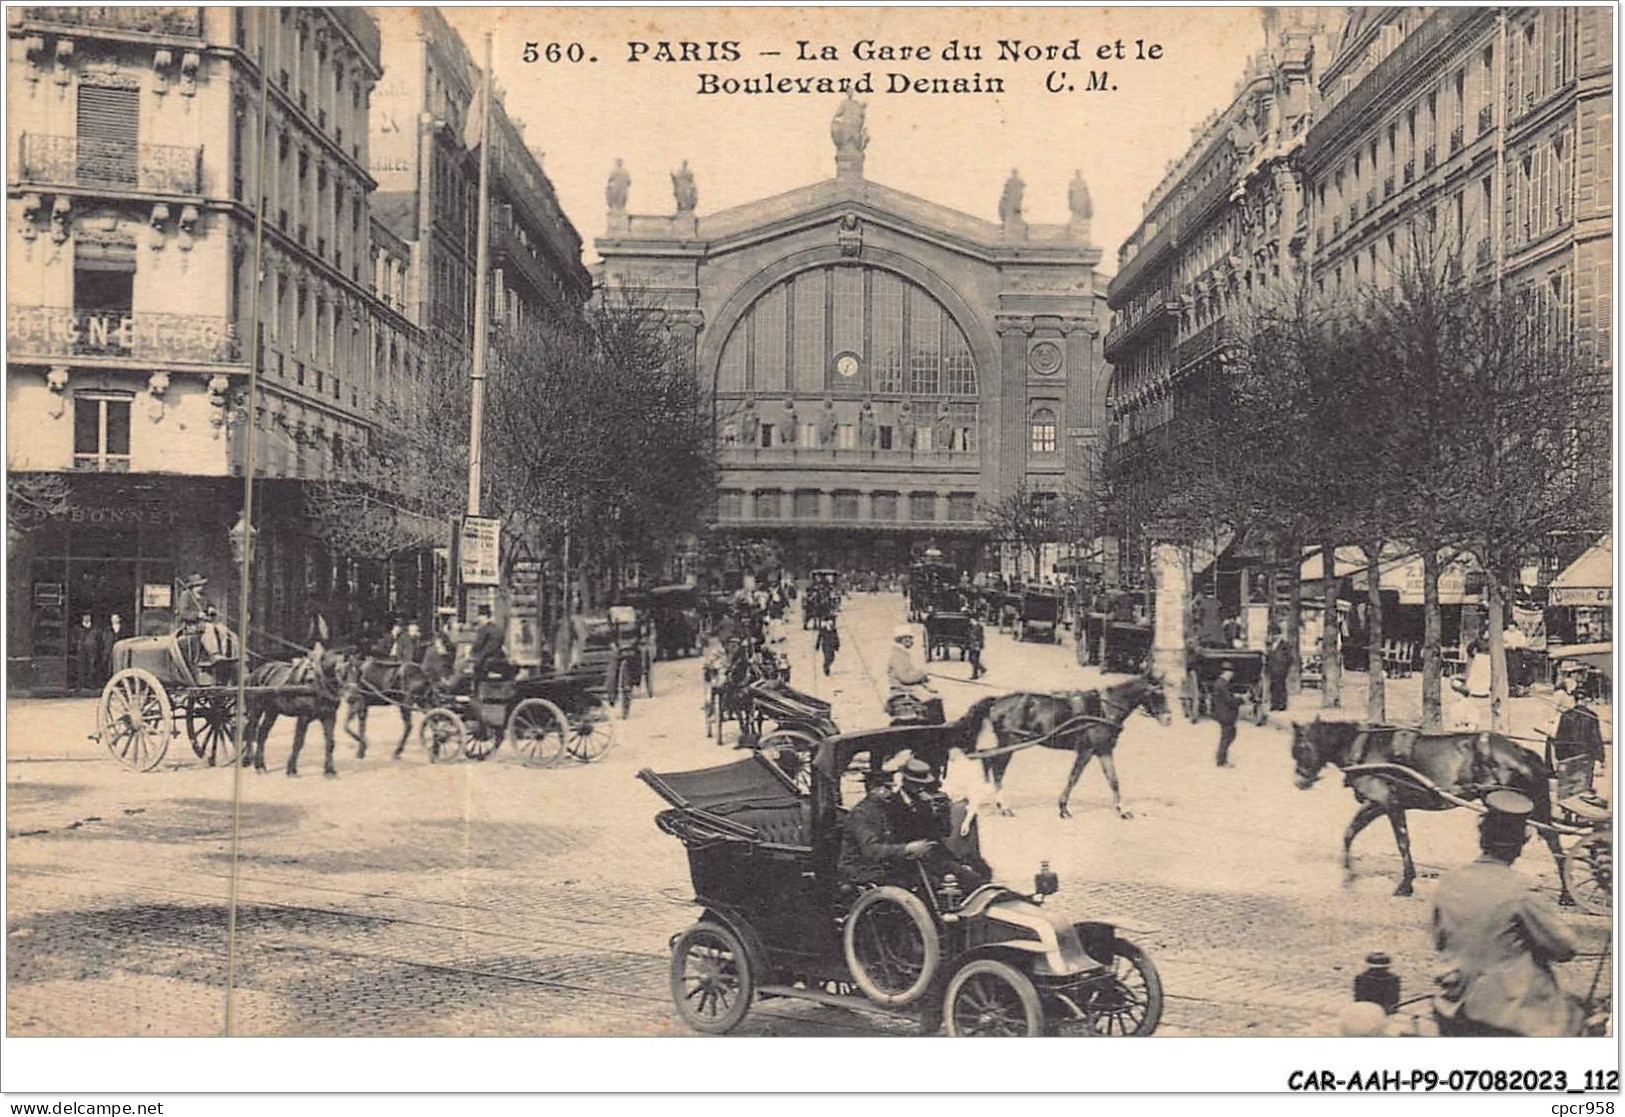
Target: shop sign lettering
x,y
100,514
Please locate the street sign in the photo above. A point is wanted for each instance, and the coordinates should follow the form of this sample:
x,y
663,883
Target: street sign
x,y
479,551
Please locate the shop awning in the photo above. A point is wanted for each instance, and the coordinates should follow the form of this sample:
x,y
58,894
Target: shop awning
x,y
1589,580
1597,656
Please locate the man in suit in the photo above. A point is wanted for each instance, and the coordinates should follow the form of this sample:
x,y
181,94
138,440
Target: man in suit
x,y
1498,940
873,845
409,646
87,654
487,650
1226,709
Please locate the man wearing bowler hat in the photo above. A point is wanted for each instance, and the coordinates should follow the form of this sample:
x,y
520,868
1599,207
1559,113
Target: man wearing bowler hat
x,y
1498,940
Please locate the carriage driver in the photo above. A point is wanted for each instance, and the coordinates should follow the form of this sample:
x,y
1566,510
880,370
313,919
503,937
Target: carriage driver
x,y
873,844
906,675
1498,940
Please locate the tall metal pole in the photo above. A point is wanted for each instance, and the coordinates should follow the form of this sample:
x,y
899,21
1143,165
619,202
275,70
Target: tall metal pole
x,y
482,263
244,559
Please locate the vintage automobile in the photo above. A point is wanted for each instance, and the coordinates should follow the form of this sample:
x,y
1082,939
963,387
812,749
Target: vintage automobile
x,y
777,922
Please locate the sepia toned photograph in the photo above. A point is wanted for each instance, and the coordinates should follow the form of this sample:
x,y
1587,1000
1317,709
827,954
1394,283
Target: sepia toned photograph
x,y
812,522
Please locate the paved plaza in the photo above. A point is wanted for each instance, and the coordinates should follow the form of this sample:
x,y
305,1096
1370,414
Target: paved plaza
x,y
405,898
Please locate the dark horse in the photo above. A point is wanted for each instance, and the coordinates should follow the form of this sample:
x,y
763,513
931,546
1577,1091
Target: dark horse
x,y
1024,717
371,682
306,689
1467,765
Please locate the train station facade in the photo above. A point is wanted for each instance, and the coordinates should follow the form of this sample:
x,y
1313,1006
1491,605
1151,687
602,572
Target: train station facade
x,y
882,368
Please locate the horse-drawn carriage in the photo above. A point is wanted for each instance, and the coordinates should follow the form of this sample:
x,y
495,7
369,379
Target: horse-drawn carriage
x,y
1127,646
778,922
948,630
675,613
542,717
1203,667
932,587
188,678
1041,609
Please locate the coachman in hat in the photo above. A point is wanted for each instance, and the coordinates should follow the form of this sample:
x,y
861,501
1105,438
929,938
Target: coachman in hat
x,y
1498,940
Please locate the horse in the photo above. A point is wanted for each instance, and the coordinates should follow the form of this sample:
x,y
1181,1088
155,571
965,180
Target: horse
x,y
308,690
1022,717
371,682
1466,765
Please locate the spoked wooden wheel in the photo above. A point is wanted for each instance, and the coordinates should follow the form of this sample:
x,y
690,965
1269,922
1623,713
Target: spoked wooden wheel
x,y
1588,870
792,751
1127,999
211,726
591,733
134,719
988,997
442,735
623,688
538,731
892,945
711,980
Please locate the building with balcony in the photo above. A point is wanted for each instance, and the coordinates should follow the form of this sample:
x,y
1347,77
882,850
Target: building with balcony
x,y
1224,227
428,181
881,366
1485,133
136,159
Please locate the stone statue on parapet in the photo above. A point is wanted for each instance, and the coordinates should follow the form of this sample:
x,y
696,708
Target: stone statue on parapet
x,y
826,423
750,423
682,186
1010,201
847,129
1078,200
620,183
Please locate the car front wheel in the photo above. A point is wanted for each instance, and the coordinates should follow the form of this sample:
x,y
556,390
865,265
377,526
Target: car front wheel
x,y
989,997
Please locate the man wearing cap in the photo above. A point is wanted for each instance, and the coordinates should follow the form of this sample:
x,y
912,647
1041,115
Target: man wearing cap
x,y
1226,708
874,845
1498,940
928,813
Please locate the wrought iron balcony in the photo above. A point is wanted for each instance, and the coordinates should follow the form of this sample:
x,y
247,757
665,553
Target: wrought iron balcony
x,y
60,331
1455,139
74,161
1486,118
151,21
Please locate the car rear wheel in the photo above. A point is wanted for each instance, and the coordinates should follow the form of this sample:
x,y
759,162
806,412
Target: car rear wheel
x,y
989,997
892,946
711,980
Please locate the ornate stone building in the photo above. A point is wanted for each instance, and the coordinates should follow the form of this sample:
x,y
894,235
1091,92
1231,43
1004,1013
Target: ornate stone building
x,y
1227,224
134,145
881,366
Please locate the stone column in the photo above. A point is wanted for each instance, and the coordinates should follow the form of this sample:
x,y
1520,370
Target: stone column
x,y
1171,573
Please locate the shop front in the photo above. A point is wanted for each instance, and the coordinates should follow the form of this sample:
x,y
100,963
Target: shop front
x,y
111,556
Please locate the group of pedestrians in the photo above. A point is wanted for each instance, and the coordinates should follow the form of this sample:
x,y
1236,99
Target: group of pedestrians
x,y
92,646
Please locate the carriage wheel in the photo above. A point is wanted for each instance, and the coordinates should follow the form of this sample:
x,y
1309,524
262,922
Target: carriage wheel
x,y
1588,871
134,719
591,733
442,735
892,945
988,997
792,751
211,726
538,731
623,688
1127,1001
711,979
1190,697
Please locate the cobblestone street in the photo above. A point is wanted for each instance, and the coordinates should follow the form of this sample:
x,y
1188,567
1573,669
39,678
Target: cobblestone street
x,y
487,898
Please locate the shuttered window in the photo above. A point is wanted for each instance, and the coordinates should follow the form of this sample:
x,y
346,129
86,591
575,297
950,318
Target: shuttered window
x,y
109,123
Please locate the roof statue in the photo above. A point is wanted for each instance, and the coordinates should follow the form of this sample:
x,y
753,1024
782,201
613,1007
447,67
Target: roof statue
x,y
615,192
1078,200
1010,200
682,185
850,135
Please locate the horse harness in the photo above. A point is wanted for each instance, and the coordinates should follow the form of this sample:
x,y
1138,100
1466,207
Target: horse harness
x,y
1104,717
1402,741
